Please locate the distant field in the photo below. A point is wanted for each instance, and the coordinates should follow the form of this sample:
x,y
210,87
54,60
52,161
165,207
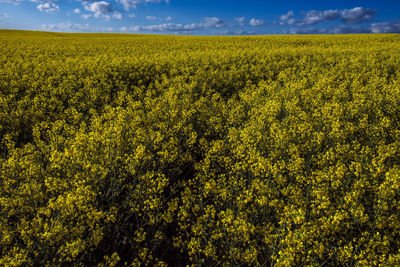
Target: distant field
x,y
169,150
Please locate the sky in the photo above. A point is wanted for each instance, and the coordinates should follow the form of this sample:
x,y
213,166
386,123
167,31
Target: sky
x,y
203,17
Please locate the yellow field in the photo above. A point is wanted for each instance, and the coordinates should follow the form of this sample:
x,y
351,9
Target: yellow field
x,y
162,150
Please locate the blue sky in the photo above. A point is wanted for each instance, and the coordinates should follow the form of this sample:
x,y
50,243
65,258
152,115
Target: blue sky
x,y
204,17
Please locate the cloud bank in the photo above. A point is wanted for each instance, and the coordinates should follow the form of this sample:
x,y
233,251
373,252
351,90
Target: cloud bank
x,y
347,16
128,4
208,22
382,27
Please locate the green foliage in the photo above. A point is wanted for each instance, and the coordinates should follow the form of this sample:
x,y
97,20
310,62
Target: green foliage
x,y
164,150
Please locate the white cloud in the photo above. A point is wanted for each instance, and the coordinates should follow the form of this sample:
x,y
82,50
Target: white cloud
x,y
69,27
382,27
167,27
87,16
386,27
286,17
169,18
256,22
357,15
348,16
131,16
48,7
344,29
213,22
240,20
314,16
101,9
128,4
117,15
306,31
10,1
77,11
207,22
236,32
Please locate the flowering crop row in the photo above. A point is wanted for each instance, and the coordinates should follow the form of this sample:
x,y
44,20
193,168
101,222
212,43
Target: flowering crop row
x,y
165,150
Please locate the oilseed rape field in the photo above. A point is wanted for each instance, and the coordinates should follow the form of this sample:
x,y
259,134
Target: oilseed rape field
x,y
147,150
